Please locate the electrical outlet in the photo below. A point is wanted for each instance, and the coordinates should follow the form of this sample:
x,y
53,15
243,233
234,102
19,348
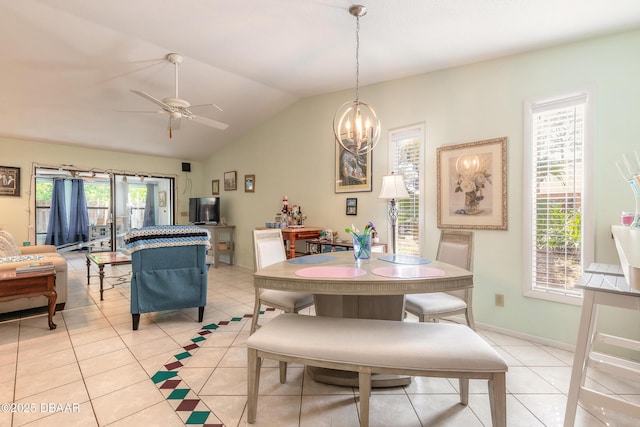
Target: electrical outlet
x,y
500,300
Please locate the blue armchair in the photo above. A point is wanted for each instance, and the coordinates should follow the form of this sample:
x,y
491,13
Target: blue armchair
x,y
169,269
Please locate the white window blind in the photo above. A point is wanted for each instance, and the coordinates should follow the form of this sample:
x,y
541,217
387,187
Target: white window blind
x,y
557,152
406,148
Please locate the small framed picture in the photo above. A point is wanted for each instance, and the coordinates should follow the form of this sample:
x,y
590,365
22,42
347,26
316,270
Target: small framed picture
x,y
352,206
9,181
215,186
162,199
249,183
230,181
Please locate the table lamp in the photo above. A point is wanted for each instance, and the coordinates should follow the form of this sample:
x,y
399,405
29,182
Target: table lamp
x,y
393,189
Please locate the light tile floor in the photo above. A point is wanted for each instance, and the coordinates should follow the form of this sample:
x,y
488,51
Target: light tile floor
x,y
94,370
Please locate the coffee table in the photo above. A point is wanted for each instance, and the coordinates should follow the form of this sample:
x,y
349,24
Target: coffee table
x,y
14,286
101,259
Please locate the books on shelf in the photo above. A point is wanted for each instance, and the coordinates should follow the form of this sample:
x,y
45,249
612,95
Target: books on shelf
x,y
35,267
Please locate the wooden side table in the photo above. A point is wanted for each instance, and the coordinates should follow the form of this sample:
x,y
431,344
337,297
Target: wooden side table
x,y
221,242
14,286
293,234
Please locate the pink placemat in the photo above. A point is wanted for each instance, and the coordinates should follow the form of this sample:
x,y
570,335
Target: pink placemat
x,y
408,272
330,272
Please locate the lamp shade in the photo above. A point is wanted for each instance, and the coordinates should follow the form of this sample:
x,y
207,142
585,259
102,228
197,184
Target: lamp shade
x,y
393,187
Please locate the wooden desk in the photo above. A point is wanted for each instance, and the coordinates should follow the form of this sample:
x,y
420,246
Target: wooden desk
x,y
291,234
315,246
366,296
14,286
102,259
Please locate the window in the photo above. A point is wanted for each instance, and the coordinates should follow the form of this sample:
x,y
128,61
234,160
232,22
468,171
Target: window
x,y
406,157
558,216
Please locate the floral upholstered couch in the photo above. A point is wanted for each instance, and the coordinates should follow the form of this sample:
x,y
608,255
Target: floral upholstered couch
x,y
13,256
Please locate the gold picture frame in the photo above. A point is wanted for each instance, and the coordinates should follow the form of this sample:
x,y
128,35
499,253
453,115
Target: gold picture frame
x,y
162,199
215,187
230,181
472,185
249,183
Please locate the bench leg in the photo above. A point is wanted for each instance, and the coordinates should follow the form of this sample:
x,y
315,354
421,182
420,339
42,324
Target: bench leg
x,y
464,390
498,399
253,384
283,372
364,385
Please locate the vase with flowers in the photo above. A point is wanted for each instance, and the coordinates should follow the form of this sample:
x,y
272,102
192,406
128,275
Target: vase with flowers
x,y
361,241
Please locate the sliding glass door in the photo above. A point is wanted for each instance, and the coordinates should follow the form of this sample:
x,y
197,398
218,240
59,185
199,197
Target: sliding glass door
x,y
140,202
114,204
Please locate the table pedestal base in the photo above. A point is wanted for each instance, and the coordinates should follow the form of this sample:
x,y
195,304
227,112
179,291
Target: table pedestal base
x,y
350,379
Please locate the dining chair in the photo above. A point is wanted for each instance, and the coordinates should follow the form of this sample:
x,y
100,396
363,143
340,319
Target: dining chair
x,y
456,248
268,249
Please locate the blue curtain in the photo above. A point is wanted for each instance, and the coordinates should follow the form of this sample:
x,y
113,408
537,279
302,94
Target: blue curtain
x,y
78,213
150,206
57,229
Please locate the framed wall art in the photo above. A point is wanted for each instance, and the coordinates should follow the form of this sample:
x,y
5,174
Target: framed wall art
x,y
215,187
353,172
162,199
352,206
230,181
249,183
9,181
472,185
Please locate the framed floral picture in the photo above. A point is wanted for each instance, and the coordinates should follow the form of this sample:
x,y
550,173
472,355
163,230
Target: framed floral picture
x,y
353,171
472,185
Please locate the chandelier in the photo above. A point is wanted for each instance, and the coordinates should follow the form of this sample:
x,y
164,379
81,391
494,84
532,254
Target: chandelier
x,y
355,124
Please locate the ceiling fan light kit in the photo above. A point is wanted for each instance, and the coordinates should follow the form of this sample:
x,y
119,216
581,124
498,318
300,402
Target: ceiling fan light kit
x,y
355,124
177,108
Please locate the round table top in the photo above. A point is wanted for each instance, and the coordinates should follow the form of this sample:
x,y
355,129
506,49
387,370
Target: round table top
x,y
337,273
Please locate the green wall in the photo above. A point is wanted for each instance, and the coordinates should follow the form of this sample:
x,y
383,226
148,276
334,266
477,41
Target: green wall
x,y
293,154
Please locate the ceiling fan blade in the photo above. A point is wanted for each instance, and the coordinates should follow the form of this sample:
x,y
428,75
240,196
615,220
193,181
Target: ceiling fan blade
x,y
209,122
206,105
149,98
141,111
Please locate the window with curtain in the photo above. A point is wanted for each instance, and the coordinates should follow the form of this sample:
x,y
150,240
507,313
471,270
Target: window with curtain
x,y
558,235
406,158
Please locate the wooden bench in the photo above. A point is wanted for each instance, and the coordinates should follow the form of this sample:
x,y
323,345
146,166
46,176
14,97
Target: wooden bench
x,y
379,346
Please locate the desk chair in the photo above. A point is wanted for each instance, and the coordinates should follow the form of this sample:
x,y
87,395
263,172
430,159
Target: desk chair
x,y
455,247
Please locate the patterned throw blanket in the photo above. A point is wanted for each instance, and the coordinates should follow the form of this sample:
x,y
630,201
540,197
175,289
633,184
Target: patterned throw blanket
x,y
161,236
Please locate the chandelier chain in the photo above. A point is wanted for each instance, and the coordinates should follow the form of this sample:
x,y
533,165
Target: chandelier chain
x,y
357,59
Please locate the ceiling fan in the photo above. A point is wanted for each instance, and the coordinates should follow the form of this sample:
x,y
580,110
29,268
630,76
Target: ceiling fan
x,y
177,108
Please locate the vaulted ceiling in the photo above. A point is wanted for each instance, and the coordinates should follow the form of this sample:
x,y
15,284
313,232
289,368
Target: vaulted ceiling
x,y
68,66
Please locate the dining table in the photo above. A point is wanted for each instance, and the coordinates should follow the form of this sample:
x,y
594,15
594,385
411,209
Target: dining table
x,y
369,289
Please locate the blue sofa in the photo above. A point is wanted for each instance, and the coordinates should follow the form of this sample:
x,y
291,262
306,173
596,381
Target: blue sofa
x,y
169,269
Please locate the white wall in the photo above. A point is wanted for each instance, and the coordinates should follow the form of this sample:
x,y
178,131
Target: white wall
x,y
16,215
293,154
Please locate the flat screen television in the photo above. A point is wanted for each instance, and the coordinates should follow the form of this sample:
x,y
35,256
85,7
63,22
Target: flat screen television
x,y
204,210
